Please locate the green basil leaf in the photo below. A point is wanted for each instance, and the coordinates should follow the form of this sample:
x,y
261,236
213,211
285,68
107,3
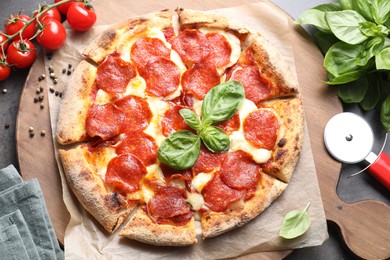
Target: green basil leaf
x,y
346,4
382,60
345,25
385,114
373,94
191,119
375,45
342,58
353,92
345,78
222,102
325,41
314,17
180,150
295,223
380,10
370,29
215,139
363,7
328,7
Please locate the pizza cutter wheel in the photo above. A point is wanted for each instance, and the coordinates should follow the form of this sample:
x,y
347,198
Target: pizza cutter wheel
x,y
349,139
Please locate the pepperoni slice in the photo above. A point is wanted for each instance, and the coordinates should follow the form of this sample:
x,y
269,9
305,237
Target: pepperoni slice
x,y
218,196
230,125
207,161
256,87
113,74
140,145
199,79
220,49
261,128
124,173
168,202
173,121
104,121
173,174
169,34
239,171
192,46
162,77
146,49
137,111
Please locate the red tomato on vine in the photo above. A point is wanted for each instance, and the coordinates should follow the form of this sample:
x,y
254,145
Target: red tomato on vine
x,y
81,16
21,54
15,23
53,35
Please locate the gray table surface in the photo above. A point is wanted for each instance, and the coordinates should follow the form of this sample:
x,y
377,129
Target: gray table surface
x,y
333,248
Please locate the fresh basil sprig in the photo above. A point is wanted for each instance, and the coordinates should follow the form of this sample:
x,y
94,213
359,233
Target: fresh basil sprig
x,y
295,223
181,149
354,37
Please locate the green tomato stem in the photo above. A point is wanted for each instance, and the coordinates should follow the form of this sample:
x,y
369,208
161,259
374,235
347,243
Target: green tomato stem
x,y
32,20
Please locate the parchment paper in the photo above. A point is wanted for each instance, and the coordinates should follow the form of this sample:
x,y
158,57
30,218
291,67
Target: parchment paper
x,y
85,239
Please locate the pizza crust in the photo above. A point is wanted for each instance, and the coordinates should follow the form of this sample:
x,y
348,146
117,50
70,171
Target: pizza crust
x,y
75,103
287,150
108,41
190,19
143,229
110,209
268,190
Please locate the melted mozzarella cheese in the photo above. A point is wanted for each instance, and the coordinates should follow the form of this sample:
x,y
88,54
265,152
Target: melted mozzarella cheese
x,y
158,108
101,159
200,180
196,200
136,87
154,175
102,97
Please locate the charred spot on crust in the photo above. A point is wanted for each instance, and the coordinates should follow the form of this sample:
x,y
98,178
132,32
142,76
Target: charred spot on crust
x,y
282,142
86,175
114,201
280,154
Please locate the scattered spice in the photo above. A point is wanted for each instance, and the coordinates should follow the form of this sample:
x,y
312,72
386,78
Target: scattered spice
x,y
49,55
31,131
63,71
5,91
43,133
51,89
6,126
36,99
68,72
42,106
57,93
41,77
41,97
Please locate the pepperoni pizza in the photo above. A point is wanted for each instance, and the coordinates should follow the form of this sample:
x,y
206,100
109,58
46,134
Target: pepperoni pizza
x,y
124,100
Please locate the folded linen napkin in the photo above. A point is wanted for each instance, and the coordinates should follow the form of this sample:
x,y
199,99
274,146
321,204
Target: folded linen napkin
x,y
27,197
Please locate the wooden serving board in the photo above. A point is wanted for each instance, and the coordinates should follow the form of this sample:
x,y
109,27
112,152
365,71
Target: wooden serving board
x,y
363,225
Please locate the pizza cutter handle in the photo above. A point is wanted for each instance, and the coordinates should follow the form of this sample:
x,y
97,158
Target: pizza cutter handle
x,y
380,169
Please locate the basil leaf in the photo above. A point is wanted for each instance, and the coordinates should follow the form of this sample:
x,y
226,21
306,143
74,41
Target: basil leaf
x,y
325,41
353,92
295,223
342,58
363,7
215,139
385,114
370,29
328,7
372,97
345,78
380,10
222,102
382,60
180,150
345,25
191,119
314,17
346,4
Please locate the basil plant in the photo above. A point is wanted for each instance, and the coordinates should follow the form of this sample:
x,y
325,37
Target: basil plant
x,y
354,37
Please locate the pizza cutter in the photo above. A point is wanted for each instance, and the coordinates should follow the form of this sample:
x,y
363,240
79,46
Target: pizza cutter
x,y
349,139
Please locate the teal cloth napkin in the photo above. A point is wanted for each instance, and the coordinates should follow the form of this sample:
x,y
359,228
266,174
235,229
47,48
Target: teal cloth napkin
x,y
11,244
27,198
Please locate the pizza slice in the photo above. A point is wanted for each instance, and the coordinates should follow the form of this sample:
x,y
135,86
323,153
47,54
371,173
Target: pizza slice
x,y
108,206
263,72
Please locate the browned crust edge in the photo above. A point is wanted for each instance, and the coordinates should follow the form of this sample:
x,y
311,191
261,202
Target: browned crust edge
x,y
268,190
109,208
143,229
107,42
74,105
191,19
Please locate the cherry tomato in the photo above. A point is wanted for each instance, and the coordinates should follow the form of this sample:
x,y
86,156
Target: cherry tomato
x,y
15,23
53,35
21,54
81,17
3,38
5,69
64,7
52,13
